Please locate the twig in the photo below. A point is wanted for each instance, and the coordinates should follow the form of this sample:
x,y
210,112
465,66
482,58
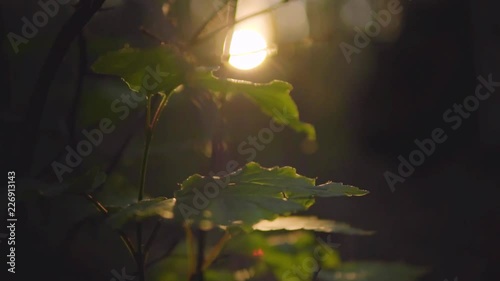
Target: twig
x,y
71,118
149,128
104,211
118,155
270,9
167,253
96,203
190,249
161,106
151,239
82,70
151,35
205,24
315,275
216,250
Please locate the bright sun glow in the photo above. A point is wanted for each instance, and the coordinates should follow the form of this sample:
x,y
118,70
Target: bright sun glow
x,y
248,49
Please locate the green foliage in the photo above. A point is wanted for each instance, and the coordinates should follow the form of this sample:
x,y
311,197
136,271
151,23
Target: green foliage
x,y
253,193
257,199
282,252
96,100
177,266
135,65
257,255
273,98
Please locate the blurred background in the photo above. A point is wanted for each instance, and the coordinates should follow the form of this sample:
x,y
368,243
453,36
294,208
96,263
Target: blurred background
x,y
368,107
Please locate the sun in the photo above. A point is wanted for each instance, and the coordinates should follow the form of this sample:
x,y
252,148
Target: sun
x,y
248,49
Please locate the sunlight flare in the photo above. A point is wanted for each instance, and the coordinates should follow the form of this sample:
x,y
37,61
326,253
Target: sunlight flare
x,y
248,49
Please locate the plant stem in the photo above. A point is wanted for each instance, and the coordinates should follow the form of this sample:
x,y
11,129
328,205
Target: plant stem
x,y
316,274
201,255
149,137
142,184
150,125
167,253
190,249
126,241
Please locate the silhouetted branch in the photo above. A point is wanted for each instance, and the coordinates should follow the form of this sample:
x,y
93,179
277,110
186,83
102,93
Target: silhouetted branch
x,y
57,52
82,70
196,41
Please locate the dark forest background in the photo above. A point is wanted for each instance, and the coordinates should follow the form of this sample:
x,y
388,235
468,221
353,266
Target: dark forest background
x,y
445,216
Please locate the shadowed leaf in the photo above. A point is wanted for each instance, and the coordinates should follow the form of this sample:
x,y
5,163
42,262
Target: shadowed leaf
x,y
158,68
161,207
251,194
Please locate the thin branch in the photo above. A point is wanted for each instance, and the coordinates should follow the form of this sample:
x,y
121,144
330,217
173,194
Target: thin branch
x,y
205,24
96,203
71,118
126,241
118,155
159,110
151,239
62,43
144,165
214,253
190,249
211,34
82,70
151,35
105,212
167,253
315,275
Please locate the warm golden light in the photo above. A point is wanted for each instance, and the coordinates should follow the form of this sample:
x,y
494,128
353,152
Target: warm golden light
x,y
248,49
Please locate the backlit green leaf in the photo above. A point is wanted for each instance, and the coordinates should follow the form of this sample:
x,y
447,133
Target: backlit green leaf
x,y
308,223
272,98
251,194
